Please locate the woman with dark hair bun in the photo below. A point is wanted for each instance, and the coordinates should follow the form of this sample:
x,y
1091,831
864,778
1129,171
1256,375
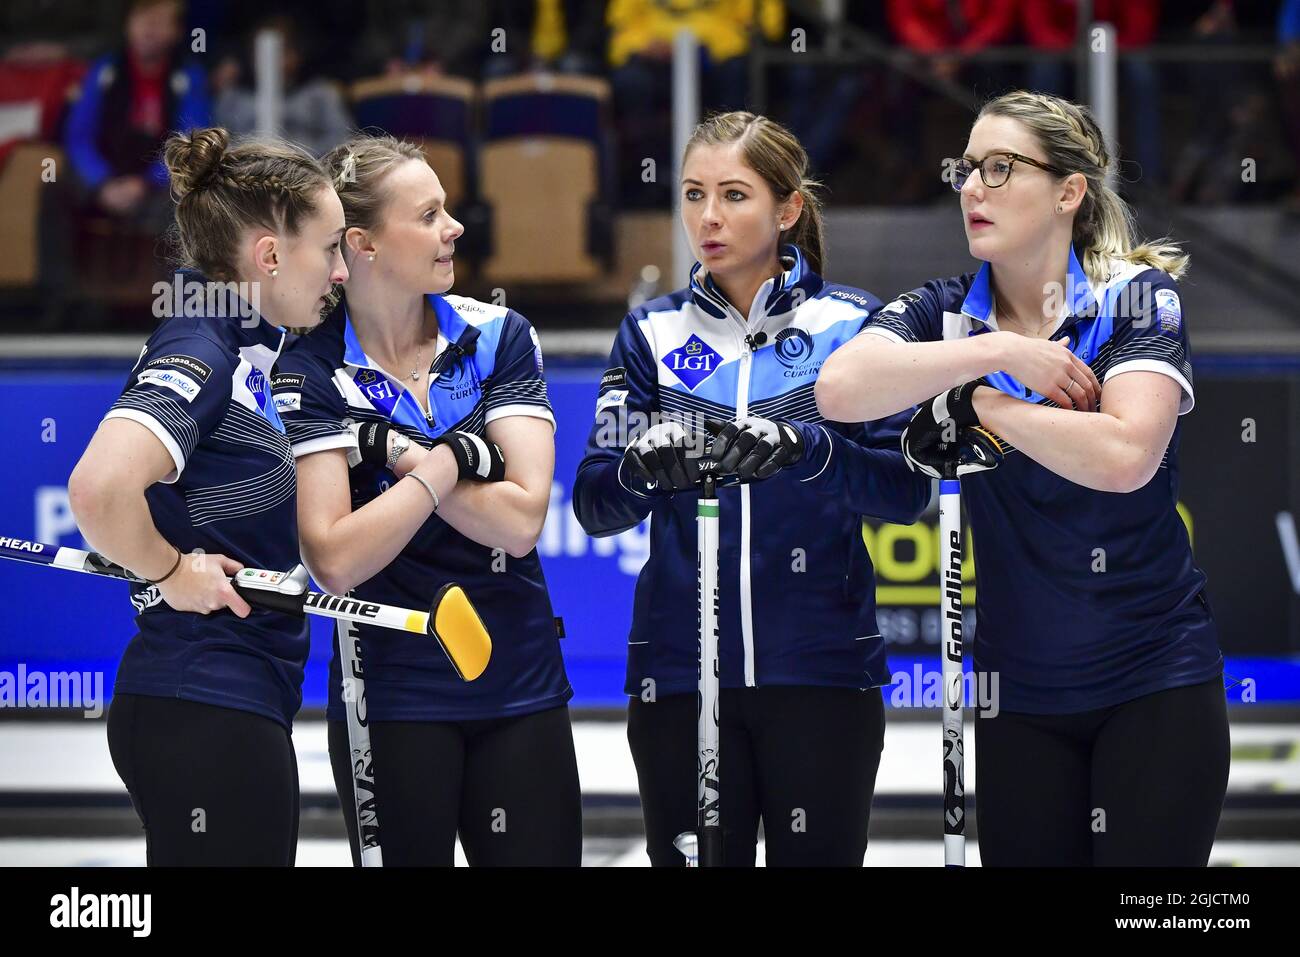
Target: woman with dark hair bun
x,y
188,479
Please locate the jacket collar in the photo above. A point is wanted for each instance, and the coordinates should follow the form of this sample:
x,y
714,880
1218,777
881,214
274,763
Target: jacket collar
x,y
451,325
1080,299
776,295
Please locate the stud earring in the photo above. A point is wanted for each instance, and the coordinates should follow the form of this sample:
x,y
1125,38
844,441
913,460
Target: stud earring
x,y
783,226
274,273
1060,209
371,257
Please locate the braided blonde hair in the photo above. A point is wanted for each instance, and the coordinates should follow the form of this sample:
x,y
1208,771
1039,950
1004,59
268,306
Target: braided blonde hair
x,y
358,168
220,190
775,154
1104,227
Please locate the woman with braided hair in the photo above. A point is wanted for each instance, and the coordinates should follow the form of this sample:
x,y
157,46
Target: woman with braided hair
x,y
1109,741
188,479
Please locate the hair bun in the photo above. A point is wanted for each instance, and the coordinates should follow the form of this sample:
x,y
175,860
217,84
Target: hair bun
x,y
193,159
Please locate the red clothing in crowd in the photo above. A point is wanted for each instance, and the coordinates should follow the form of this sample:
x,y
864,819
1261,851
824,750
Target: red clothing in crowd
x,y
1053,24
33,99
146,109
932,26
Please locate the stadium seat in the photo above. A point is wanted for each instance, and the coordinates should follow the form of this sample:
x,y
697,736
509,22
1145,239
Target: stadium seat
x,y
32,105
434,111
540,176
20,211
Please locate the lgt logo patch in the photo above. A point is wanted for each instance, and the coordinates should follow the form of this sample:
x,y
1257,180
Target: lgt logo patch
x,y
693,362
256,383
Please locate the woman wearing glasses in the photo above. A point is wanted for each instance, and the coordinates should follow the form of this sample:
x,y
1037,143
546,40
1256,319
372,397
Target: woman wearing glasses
x,y
1110,742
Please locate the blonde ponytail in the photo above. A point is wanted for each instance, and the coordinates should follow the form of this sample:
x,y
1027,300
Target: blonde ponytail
x,y
809,232
1106,230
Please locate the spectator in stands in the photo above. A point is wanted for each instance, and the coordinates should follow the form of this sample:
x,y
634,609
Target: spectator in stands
x,y
442,37
835,89
1287,67
952,27
328,31
37,74
942,30
562,35
641,34
314,116
569,35
1239,20
130,101
1054,25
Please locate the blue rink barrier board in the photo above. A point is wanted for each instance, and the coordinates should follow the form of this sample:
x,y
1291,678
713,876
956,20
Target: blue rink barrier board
x,y
64,622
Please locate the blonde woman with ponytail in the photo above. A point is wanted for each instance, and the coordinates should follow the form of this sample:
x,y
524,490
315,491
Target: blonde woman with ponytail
x,y
734,355
1109,745
423,438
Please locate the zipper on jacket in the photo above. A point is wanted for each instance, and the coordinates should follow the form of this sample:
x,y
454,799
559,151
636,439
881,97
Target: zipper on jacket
x,y
746,590
748,340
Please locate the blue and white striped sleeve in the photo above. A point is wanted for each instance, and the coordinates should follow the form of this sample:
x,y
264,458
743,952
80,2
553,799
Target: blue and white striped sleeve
x,y
517,385
309,403
179,389
1150,335
915,316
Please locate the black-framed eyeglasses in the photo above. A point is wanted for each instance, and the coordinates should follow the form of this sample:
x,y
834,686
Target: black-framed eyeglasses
x,y
995,169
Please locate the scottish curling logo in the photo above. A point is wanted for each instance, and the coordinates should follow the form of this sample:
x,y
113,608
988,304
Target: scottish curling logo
x,y
793,347
693,362
458,379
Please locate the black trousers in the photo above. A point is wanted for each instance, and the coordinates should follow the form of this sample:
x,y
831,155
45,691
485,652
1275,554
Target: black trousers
x,y
801,759
1138,783
211,785
507,786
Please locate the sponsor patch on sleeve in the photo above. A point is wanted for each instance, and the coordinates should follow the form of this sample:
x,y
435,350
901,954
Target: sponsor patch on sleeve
x,y
177,381
615,378
196,369
286,389
899,305
287,380
1169,311
611,399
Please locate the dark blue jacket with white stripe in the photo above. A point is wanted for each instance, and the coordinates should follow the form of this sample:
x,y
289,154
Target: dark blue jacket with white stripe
x,y
796,585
